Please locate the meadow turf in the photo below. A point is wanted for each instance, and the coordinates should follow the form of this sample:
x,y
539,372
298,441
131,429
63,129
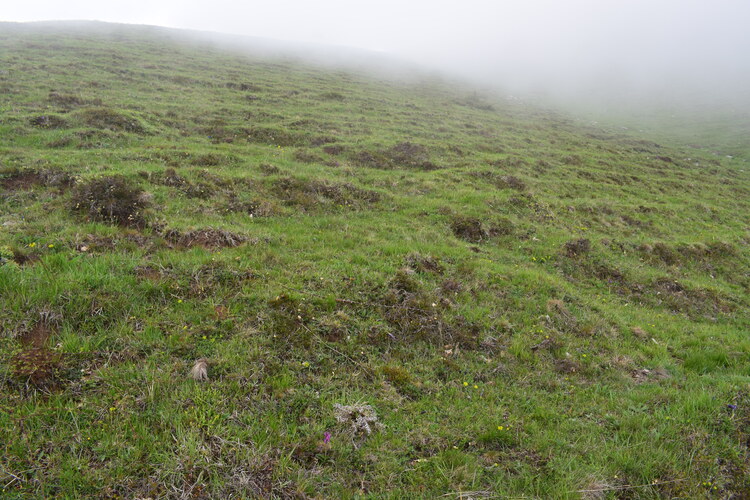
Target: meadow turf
x,y
531,307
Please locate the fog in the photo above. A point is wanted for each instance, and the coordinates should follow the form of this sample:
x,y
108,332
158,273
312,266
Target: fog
x,y
588,51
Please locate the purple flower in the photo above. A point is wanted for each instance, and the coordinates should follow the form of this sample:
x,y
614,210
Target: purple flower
x,y
732,407
327,437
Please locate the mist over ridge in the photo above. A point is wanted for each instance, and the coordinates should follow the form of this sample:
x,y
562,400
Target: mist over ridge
x,y
677,52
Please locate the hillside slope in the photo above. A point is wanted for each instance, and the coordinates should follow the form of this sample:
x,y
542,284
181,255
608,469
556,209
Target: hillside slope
x,y
401,290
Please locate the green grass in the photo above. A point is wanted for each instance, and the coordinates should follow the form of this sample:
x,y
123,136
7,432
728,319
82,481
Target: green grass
x,y
324,237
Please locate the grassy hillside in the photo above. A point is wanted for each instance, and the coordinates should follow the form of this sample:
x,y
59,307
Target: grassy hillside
x,y
400,290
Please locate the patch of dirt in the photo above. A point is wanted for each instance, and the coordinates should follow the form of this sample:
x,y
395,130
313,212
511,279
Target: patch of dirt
x,y
689,301
245,87
645,375
206,238
416,314
23,259
22,180
149,273
253,208
470,229
334,150
560,317
201,190
109,119
424,264
305,156
309,195
567,366
274,136
37,336
451,287
114,199
402,155
269,169
500,181
474,230
332,96
209,160
704,254
69,101
207,279
577,248
37,366
410,155
48,121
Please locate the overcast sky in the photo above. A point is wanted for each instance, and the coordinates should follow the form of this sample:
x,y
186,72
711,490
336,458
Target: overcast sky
x,y
627,43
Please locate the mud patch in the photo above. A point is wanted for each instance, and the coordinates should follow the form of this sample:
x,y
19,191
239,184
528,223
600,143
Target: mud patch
x,y
37,366
415,314
334,150
114,200
474,230
253,208
206,280
37,336
567,366
424,264
690,301
470,229
200,190
23,180
645,375
313,195
149,273
86,139
109,119
559,316
210,160
70,101
48,121
304,156
706,255
16,256
275,137
207,238
128,240
402,155
500,181
332,96
577,248
243,86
